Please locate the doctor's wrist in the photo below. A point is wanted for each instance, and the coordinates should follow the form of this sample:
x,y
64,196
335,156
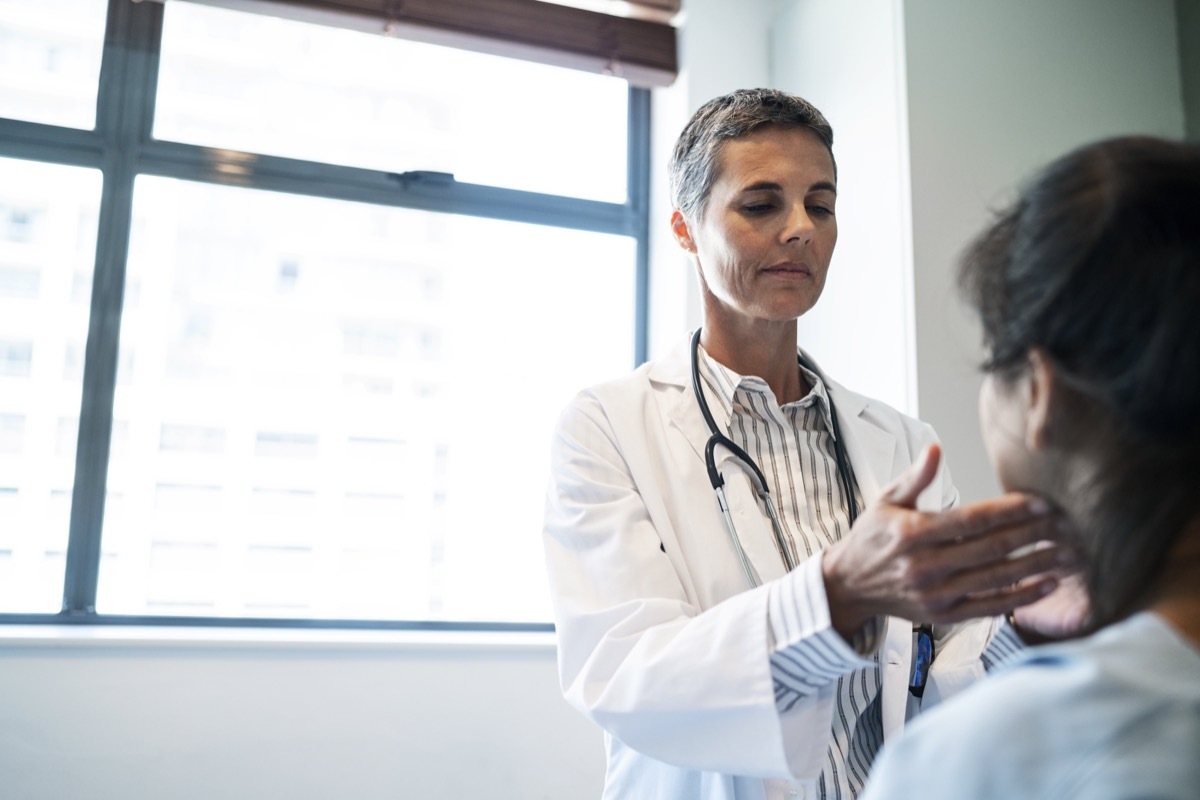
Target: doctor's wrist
x,y
848,614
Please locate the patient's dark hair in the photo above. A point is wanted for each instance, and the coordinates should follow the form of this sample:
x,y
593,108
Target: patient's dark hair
x,y
694,162
1098,264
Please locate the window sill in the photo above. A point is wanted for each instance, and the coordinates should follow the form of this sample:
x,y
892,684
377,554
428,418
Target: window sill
x,y
208,637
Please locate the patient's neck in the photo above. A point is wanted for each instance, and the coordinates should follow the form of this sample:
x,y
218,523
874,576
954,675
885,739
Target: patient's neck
x,y
1178,597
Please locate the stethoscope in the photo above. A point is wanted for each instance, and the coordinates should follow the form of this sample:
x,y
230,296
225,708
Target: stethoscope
x,y
718,439
922,634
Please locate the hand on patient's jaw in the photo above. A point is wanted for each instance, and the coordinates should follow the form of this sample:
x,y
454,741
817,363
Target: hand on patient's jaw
x,y
1062,614
944,566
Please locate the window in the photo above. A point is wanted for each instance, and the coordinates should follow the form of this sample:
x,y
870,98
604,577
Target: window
x,y
50,61
40,326
296,358
342,97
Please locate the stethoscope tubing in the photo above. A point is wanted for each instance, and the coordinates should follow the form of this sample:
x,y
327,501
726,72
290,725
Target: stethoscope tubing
x,y
718,439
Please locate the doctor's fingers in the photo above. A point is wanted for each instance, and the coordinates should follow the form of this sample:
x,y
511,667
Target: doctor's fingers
x,y
1011,512
1024,548
953,607
945,585
939,580
908,485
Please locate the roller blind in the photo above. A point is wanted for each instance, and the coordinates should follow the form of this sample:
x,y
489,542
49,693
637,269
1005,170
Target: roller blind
x,y
632,39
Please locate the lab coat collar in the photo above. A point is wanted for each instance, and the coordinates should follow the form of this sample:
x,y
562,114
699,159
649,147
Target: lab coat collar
x,y
871,448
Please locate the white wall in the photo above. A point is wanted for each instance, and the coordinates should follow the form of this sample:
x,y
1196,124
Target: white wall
x,y
113,715
994,90
1187,15
848,60
722,47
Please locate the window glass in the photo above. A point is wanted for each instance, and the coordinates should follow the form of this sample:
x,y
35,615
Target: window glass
x,y
277,87
339,410
50,60
48,217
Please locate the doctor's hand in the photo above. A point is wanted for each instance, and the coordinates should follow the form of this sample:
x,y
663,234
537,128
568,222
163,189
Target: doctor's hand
x,y
1063,614
943,566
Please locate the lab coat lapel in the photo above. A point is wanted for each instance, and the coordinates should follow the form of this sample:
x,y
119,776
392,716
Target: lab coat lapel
x,y
871,449
673,374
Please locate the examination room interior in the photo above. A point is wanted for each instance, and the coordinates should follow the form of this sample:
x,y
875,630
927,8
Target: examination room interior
x,y
939,108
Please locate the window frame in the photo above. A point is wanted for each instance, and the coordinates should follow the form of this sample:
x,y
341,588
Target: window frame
x,y
121,147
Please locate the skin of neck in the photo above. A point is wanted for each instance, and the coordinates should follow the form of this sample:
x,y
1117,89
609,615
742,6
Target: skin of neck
x,y
763,348
1176,597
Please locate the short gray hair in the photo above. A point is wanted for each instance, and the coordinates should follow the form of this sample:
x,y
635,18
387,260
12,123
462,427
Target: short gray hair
x,y
693,167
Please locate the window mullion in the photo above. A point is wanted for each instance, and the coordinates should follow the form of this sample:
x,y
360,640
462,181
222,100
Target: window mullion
x,y
639,204
122,148
124,115
33,141
404,190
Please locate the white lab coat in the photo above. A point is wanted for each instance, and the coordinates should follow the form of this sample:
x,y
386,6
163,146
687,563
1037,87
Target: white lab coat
x,y
661,641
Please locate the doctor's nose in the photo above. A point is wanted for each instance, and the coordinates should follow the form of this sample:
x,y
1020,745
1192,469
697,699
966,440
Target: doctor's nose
x,y
798,224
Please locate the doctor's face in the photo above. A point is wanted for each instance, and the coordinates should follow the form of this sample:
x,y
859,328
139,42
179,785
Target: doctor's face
x,y
766,235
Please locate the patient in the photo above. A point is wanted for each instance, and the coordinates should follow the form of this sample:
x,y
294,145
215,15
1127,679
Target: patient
x,y
1088,289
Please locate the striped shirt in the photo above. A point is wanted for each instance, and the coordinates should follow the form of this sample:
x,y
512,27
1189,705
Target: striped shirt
x,y
793,445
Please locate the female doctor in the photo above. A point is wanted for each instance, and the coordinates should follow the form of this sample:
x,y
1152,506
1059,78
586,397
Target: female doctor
x,y
737,546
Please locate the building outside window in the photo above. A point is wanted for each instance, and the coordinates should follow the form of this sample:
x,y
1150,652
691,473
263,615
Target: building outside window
x,y
287,313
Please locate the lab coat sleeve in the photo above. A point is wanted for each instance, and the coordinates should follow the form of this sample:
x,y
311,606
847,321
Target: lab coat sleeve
x,y
806,652
685,686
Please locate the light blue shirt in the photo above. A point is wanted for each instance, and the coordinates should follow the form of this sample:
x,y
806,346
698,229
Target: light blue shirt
x,y
1114,716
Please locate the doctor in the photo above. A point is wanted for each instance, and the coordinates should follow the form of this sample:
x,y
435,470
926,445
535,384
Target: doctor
x,y
762,645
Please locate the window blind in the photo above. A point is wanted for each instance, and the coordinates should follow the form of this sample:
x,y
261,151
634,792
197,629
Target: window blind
x,y
632,39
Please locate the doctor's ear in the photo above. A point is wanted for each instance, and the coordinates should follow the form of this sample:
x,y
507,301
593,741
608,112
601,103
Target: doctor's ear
x,y
679,227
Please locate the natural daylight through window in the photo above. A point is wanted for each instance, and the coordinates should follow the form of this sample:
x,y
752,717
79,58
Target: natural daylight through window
x,y
287,313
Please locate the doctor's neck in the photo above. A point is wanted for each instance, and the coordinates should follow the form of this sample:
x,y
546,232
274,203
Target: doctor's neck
x,y
764,350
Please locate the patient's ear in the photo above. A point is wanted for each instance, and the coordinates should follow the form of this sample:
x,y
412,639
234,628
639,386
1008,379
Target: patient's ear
x,y
679,227
1040,394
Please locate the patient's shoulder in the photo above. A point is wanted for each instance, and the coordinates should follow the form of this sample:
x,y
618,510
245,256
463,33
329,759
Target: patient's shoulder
x,y
1098,718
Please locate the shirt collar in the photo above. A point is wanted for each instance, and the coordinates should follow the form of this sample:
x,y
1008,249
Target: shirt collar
x,y
723,383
